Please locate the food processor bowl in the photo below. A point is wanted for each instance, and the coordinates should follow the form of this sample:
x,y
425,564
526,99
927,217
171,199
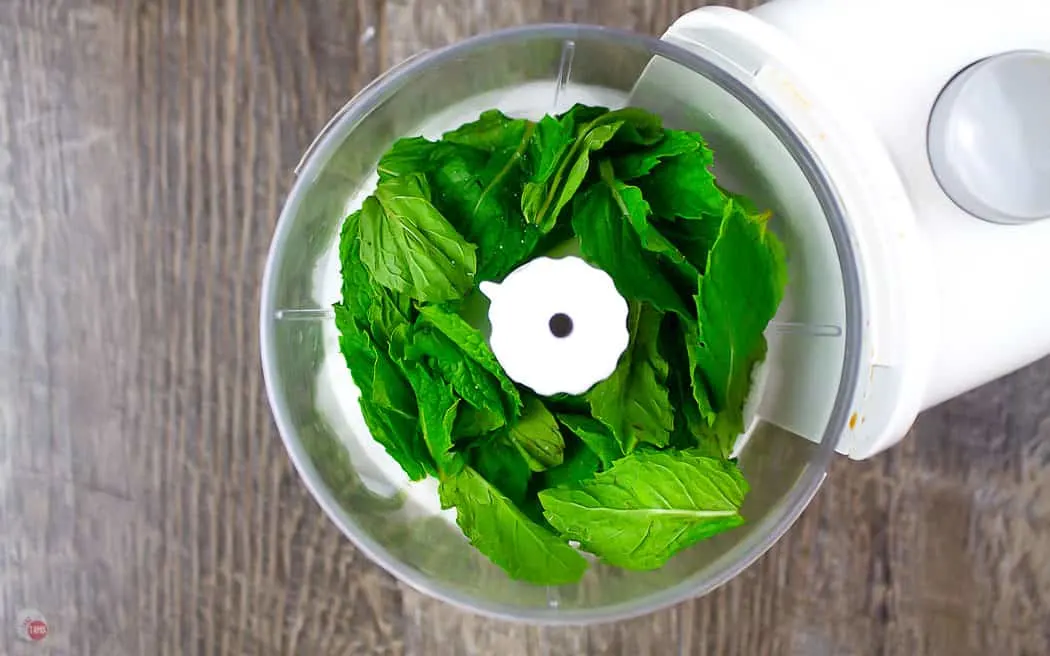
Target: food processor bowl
x,y
801,395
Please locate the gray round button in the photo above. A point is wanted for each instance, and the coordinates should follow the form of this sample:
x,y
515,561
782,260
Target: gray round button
x,y
989,138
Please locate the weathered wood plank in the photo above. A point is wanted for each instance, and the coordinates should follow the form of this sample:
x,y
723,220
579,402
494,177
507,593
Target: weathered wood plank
x,y
146,503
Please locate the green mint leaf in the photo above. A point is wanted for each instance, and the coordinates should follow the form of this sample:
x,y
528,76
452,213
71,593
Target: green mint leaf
x,y
546,194
754,212
701,394
739,294
437,414
688,425
603,219
472,422
400,438
469,379
684,187
492,131
691,428
572,404
408,246
549,143
378,307
648,506
503,467
408,156
633,401
389,311
638,163
473,346
536,436
595,435
498,529
580,464
633,207
579,117
693,237
387,402
543,204
688,256
640,128
477,191
476,176
357,287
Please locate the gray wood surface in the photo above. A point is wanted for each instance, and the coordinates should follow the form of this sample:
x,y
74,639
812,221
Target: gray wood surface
x,y
146,504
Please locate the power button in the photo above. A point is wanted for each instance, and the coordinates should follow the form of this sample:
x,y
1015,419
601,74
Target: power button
x,y
989,138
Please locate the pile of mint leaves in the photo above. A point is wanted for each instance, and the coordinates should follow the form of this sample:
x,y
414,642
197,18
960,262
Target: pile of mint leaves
x,y
637,468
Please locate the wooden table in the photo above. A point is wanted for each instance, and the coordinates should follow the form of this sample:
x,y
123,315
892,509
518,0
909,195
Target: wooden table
x,y
146,503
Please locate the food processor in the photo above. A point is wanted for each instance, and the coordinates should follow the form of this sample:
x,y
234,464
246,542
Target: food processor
x,y
902,148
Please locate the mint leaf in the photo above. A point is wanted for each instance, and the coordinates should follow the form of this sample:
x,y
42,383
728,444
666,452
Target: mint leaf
x,y
692,429
602,218
549,143
408,246
636,210
468,378
478,192
566,181
542,201
595,435
493,131
674,142
579,118
640,128
573,404
683,187
357,287
476,176
503,467
437,414
692,424
408,156
365,318
472,423
648,506
579,465
380,308
633,401
693,237
498,529
536,436
739,294
701,395
474,347
387,402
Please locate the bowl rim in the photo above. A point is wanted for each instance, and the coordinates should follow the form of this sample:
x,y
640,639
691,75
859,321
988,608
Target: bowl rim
x,y
771,527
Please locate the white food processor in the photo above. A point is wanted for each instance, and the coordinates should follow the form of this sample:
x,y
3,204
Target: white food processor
x,y
903,148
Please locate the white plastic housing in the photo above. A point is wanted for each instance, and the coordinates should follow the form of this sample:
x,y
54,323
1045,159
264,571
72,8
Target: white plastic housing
x,y
886,244
951,301
990,281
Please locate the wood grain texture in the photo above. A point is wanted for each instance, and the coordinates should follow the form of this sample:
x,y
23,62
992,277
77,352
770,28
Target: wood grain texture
x,y
146,503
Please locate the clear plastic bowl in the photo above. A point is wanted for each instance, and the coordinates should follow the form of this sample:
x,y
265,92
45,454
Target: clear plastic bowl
x,y
799,401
